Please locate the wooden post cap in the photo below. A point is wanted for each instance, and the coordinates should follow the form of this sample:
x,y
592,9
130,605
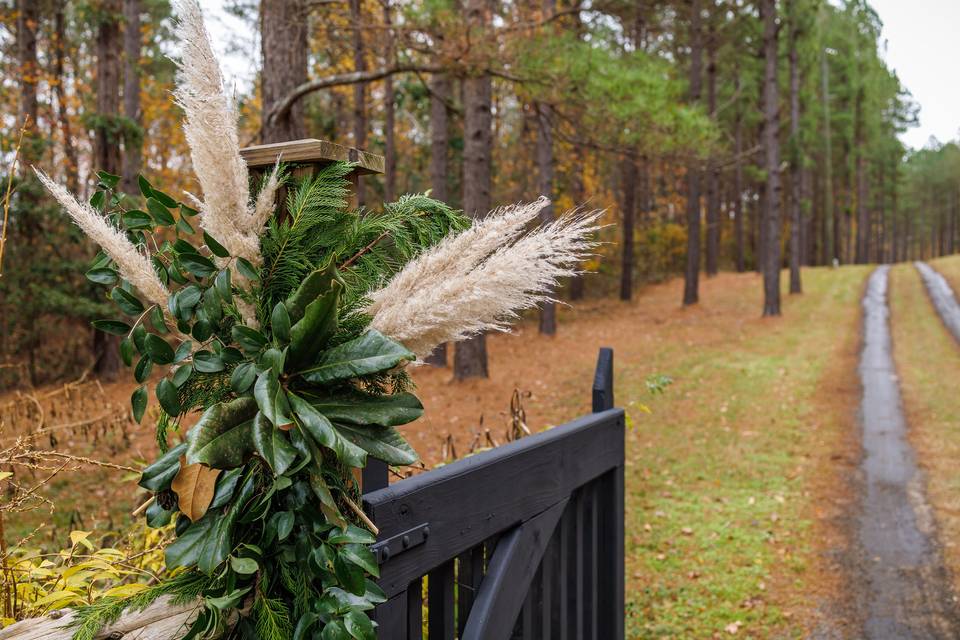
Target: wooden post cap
x,y
311,151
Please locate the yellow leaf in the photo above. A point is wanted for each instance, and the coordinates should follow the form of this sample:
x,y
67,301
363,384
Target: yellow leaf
x,y
125,590
5,474
194,487
59,598
80,537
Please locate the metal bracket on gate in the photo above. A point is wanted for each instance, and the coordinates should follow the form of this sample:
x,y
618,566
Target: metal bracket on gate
x,y
394,546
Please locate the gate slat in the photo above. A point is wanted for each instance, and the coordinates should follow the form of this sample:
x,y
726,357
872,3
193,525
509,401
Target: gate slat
x,y
440,602
469,578
392,618
415,610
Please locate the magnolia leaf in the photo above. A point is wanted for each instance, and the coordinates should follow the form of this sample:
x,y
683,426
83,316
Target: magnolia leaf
x,y
315,329
157,516
323,433
327,504
194,486
312,286
371,353
272,445
384,443
158,475
222,437
359,408
272,399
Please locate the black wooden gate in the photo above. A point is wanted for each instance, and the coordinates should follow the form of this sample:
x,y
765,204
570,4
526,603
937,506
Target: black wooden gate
x,y
523,541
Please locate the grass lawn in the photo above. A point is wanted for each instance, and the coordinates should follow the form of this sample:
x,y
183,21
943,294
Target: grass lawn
x,y
928,364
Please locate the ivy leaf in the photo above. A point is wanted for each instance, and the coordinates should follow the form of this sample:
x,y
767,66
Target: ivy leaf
x,y
158,349
113,327
127,302
359,408
138,401
323,433
158,475
371,353
272,445
272,399
222,437
315,329
167,396
215,247
197,264
384,443
194,486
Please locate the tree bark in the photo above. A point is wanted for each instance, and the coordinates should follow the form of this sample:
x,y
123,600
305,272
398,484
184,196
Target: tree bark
x,y
796,164
548,310
738,209
389,109
691,280
629,186
862,255
59,89
284,47
771,118
578,191
133,138
713,169
359,91
441,94
106,348
470,355
829,224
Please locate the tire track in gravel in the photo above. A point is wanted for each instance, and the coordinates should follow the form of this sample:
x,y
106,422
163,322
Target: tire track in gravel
x,y
942,297
904,584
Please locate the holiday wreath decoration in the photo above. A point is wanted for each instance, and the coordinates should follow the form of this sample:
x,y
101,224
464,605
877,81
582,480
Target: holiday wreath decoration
x,y
291,336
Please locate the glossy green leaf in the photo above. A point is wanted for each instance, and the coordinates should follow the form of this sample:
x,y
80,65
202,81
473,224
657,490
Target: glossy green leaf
x,y
158,349
222,283
384,443
280,323
103,275
126,351
136,219
242,377
167,396
207,362
215,247
183,351
248,339
197,265
113,327
351,576
182,374
127,302
223,438
158,321
142,371
359,408
313,286
145,189
138,401
370,353
284,524
311,334
272,399
359,626
160,213
334,630
324,434
161,473
163,198
244,566
247,270
272,445
201,331
108,180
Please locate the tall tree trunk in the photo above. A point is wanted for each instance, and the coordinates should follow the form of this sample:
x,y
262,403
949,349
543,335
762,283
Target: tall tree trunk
x,y
862,255
28,18
284,47
470,355
390,143
829,224
107,148
738,208
441,94
629,186
133,140
577,189
359,91
713,169
771,143
691,279
796,164
59,88
545,170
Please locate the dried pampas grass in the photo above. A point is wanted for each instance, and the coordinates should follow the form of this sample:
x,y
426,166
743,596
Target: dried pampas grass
x,y
134,266
482,278
210,127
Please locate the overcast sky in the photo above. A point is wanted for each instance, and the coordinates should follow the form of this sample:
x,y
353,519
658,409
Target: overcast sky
x,y
923,46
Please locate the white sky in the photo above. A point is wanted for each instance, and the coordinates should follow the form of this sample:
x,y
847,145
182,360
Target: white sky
x,y
923,46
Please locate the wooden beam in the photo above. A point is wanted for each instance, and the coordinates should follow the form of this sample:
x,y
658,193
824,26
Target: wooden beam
x,y
311,151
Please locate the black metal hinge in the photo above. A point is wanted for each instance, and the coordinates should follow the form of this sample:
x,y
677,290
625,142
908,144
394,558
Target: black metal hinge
x,y
394,546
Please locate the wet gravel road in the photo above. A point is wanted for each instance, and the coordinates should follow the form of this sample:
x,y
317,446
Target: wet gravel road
x,y
906,590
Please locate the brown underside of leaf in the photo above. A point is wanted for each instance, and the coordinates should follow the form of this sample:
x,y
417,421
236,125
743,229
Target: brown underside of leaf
x,y
194,486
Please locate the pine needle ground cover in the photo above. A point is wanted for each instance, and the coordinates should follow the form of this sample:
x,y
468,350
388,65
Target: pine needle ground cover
x,y
928,365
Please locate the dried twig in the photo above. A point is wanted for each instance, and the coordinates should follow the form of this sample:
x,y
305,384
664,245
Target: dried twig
x,y
9,192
